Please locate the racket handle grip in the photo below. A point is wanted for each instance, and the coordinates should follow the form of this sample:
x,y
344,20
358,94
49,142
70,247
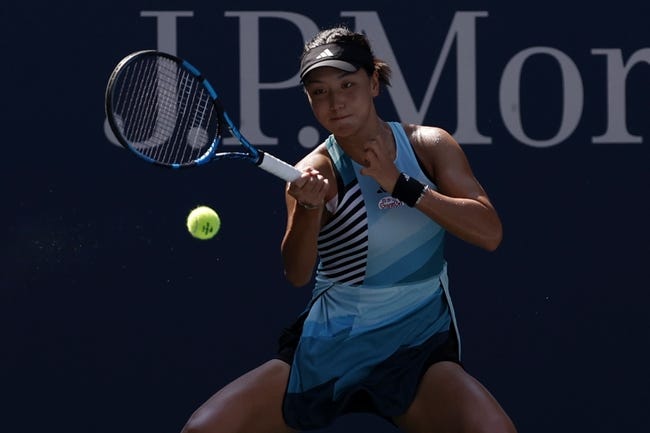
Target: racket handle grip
x,y
277,167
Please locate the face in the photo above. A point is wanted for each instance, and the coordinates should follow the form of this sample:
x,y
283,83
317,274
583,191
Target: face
x,y
343,102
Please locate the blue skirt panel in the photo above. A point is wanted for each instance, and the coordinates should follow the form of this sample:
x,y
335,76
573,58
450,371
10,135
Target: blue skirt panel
x,y
364,348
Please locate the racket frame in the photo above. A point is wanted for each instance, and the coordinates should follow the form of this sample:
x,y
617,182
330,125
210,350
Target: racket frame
x,y
252,154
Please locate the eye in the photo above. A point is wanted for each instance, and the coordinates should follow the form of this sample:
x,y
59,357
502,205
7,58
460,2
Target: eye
x,y
315,91
347,84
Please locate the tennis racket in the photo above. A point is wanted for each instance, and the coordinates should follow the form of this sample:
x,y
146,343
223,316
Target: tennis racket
x,y
162,109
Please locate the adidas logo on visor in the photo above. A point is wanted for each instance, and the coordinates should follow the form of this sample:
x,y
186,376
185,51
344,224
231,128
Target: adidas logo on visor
x,y
325,53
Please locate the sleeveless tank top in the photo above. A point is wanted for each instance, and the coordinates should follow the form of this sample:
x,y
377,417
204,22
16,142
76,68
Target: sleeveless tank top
x,y
373,238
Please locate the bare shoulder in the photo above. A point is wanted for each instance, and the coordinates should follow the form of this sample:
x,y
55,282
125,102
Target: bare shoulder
x,y
428,136
436,148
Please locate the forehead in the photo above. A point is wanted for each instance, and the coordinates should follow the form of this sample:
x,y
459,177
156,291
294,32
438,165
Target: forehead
x,y
329,74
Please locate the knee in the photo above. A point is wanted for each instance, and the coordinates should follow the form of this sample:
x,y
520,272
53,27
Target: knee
x,y
225,417
199,424
194,426
497,423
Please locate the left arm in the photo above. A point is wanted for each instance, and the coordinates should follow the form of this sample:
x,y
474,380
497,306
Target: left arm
x,y
460,204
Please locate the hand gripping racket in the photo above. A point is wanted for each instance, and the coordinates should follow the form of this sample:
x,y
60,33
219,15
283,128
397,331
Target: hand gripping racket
x,y
162,109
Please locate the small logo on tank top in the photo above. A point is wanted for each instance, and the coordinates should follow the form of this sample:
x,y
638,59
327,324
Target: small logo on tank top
x,y
389,203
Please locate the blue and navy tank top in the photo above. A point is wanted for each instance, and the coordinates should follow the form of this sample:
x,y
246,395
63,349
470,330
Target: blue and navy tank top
x,y
373,238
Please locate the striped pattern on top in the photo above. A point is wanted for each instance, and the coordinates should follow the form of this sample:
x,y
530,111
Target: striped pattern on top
x,y
343,242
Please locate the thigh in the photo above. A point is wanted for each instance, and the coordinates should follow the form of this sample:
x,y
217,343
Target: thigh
x,y
451,400
251,403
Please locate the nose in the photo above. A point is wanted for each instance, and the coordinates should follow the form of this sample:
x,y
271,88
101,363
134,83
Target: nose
x,y
336,101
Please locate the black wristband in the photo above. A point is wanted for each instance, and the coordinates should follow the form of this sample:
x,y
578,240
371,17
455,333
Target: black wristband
x,y
408,190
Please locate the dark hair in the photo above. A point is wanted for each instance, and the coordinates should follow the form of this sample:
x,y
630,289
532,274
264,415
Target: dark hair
x,y
343,35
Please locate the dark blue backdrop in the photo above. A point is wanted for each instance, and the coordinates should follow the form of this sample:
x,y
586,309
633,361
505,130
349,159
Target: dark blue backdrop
x,y
114,320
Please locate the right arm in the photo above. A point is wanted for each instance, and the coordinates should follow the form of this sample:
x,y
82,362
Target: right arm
x,y
305,198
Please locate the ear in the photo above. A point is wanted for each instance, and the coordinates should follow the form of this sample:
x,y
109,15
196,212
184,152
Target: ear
x,y
374,83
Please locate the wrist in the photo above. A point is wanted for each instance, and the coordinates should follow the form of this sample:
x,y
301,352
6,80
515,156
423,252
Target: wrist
x,y
409,190
309,206
422,194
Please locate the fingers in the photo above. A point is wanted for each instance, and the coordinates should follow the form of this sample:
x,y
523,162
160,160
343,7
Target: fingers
x,y
372,151
376,158
377,153
311,187
379,163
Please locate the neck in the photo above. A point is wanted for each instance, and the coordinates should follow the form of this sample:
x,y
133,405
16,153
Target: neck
x,y
379,130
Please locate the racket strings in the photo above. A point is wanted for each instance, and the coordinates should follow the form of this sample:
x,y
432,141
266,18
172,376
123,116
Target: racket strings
x,y
164,112
195,112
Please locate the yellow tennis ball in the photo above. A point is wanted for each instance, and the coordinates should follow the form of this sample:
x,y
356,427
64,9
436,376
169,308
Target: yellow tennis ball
x,y
203,222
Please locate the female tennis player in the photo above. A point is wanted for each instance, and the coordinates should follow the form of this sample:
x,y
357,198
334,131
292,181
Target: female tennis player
x,y
368,215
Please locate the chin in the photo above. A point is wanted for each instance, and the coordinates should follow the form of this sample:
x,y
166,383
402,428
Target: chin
x,y
343,129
